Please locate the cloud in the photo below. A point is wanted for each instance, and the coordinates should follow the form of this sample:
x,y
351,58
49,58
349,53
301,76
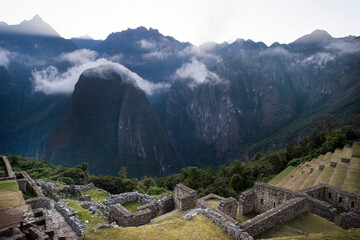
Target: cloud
x,y
197,72
344,46
319,58
51,81
147,45
80,56
157,54
202,52
4,57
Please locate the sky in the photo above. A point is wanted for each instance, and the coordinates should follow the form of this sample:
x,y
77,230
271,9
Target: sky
x,y
195,21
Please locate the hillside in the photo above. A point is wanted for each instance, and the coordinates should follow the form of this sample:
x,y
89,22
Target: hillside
x,y
340,169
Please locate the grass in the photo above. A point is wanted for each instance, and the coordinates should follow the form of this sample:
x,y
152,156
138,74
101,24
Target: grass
x,y
28,194
213,202
10,196
199,227
339,175
353,176
96,195
170,217
356,147
86,215
351,234
306,222
244,218
281,175
132,206
59,186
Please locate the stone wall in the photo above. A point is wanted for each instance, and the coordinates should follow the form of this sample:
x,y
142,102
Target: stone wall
x,y
229,227
247,202
322,209
282,213
125,218
166,205
349,220
39,202
30,183
10,173
337,198
71,218
48,189
229,206
268,196
151,207
123,198
184,197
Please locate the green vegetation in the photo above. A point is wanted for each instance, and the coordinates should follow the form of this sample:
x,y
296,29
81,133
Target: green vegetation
x,y
213,202
357,149
29,194
132,206
244,218
60,186
96,195
306,222
199,227
228,181
281,175
10,196
85,215
351,234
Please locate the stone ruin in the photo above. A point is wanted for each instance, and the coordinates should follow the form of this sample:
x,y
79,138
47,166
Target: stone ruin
x,y
182,198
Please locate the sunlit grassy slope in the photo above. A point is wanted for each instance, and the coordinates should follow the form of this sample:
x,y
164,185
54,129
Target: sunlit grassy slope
x,y
345,176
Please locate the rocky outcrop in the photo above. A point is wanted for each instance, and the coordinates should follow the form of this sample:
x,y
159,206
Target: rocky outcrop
x,y
112,128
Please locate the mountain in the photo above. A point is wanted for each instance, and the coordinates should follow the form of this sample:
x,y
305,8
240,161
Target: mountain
x,y
316,39
34,37
226,101
109,124
35,26
262,101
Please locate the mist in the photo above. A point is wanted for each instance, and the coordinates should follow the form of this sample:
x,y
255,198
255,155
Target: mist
x,y
51,81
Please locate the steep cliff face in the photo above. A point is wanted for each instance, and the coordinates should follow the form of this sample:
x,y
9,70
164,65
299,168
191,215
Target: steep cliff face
x,y
109,125
259,95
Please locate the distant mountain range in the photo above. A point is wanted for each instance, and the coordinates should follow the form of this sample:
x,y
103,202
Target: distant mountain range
x,y
164,104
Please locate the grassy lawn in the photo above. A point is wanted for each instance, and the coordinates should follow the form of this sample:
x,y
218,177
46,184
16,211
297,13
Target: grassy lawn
x,y
281,175
96,195
307,223
244,218
213,202
86,215
132,206
199,227
10,196
356,147
341,235
339,175
353,176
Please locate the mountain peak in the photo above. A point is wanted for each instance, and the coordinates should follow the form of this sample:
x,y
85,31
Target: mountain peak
x,y
316,36
35,26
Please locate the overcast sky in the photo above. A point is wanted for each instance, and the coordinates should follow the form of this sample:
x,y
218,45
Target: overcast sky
x,y
195,21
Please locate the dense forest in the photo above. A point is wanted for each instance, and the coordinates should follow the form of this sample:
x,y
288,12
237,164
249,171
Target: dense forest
x,y
228,180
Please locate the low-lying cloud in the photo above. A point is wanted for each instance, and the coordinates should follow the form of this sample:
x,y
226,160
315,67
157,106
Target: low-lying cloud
x,y
197,72
344,46
51,81
80,56
4,57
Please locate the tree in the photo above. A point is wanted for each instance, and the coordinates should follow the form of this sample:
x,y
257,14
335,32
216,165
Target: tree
x,y
326,123
122,173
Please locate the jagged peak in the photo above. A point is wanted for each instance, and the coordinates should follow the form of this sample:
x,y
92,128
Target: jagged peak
x,y
316,36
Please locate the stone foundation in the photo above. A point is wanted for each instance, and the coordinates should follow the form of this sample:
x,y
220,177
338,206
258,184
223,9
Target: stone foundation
x,y
71,218
229,206
166,205
184,197
349,220
125,218
280,214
